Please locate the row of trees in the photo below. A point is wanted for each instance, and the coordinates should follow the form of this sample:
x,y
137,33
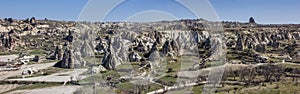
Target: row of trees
x,y
269,73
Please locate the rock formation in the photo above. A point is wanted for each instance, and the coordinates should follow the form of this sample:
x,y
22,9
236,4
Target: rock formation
x,y
86,50
58,53
239,43
70,36
109,60
7,41
251,20
260,48
32,20
67,60
141,47
131,41
134,57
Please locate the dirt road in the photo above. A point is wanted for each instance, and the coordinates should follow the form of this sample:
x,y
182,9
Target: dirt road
x,y
5,74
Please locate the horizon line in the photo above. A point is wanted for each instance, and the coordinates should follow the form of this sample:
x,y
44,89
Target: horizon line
x,y
243,22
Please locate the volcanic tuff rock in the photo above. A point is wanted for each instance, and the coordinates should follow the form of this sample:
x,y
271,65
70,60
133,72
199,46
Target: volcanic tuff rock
x,y
86,50
122,42
58,54
68,59
108,61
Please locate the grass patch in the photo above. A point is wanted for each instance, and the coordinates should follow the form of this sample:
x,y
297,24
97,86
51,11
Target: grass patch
x,y
198,89
286,65
281,88
33,86
124,87
101,76
37,52
168,80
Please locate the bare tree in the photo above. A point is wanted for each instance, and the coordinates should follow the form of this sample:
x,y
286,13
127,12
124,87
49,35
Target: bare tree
x,y
225,76
247,74
278,71
270,72
295,71
265,71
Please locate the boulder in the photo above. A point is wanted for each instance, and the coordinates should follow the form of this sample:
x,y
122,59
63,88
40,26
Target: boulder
x,y
96,69
36,59
29,71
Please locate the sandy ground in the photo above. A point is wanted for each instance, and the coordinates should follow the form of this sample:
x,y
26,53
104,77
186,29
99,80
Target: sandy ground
x,y
49,90
6,74
56,77
4,58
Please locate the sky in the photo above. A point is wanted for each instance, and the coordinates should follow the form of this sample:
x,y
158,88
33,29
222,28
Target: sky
x,y
264,11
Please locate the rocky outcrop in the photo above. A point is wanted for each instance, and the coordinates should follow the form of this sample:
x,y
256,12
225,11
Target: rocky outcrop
x,y
32,20
296,35
167,48
274,44
7,41
155,58
260,48
58,53
108,61
37,59
67,61
251,20
86,50
96,69
131,42
141,47
101,46
70,36
134,57
158,37
175,47
152,50
239,44
29,71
